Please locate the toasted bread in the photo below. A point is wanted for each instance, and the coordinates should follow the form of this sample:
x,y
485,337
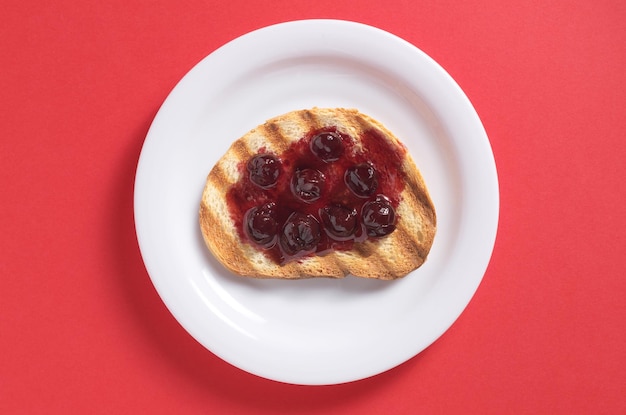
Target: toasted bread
x,y
388,257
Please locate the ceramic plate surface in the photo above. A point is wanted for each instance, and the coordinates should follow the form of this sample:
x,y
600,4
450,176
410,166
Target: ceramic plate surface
x,y
316,331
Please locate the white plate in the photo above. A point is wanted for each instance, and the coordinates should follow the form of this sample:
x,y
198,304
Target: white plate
x,y
317,331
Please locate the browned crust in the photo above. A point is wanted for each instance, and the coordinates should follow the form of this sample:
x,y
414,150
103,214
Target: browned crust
x,y
393,257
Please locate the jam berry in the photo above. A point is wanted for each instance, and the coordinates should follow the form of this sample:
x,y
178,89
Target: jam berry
x,y
362,179
262,225
339,222
300,234
264,170
308,184
379,216
328,146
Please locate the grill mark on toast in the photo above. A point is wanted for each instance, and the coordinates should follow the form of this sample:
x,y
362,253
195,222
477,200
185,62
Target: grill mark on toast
x,y
218,177
309,118
415,230
386,268
277,141
364,249
395,261
362,260
377,262
328,266
240,150
380,265
419,195
410,244
210,222
334,266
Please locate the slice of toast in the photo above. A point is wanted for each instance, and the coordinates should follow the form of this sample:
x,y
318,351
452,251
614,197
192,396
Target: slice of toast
x,y
387,257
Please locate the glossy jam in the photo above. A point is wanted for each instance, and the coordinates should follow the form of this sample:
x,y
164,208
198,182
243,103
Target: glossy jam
x,y
261,225
308,184
300,234
361,179
263,170
378,216
340,222
319,210
328,146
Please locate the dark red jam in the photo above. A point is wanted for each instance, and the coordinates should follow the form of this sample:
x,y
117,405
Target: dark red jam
x,y
323,193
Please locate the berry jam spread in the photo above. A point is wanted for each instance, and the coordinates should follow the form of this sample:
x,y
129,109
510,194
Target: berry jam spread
x,y
323,193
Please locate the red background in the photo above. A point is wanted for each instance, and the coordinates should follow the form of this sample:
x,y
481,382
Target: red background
x,y
81,327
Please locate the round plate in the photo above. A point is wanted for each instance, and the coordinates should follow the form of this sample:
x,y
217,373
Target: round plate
x,y
315,331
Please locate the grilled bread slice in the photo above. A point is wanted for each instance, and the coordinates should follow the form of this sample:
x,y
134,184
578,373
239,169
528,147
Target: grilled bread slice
x,y
387,257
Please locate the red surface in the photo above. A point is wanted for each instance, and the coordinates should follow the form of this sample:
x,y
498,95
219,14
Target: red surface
x,y
83,331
